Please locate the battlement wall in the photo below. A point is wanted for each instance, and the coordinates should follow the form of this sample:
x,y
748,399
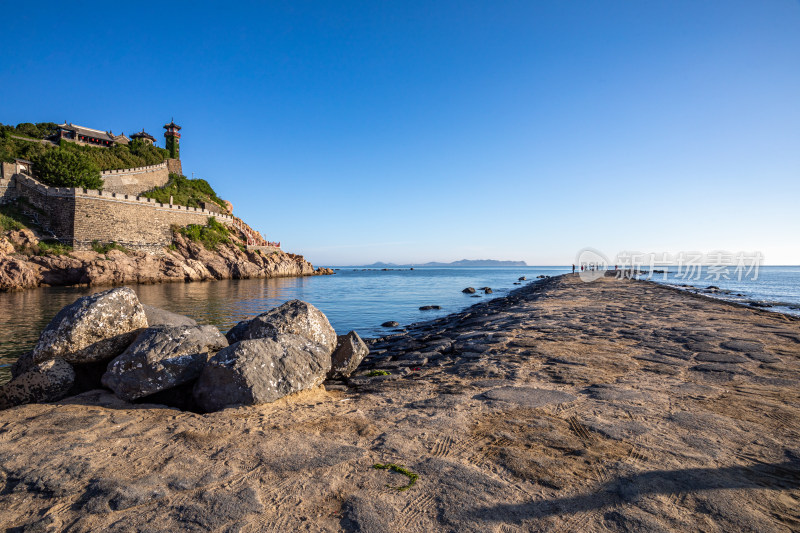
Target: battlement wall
x,y
137,180
79,216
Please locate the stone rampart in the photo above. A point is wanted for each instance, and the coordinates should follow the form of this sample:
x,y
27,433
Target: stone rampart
x,y
80,216
135,180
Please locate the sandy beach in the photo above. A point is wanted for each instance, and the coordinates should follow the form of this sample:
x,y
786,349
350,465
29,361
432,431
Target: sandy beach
x,y
615,405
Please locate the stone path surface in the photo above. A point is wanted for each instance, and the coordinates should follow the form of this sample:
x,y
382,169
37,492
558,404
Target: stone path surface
x,y
615,405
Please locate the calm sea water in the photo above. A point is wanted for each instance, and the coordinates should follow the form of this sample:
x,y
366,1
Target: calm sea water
x,y
774,286
352,299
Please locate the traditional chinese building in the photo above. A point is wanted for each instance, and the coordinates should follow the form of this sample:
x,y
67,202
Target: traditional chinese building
x,y
88,136
144,137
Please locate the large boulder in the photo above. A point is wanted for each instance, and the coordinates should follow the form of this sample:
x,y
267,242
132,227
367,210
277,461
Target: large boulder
x,y
44,382
350,351
261,370
161,317
94,328
295,317
160,358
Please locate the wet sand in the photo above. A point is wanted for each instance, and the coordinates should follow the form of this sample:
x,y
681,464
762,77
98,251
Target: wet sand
x,y
614,405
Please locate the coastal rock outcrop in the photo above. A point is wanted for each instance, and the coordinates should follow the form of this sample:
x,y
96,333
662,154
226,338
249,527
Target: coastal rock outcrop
x,y
160,358
295,317
261,370
350,351
94,328
390,324
469,290
23,266
44,382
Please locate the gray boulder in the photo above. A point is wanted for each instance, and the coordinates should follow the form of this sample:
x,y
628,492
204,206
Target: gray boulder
x,y
294,317
23,363
261,370
350,351
94,328
44,382
161,317
160,358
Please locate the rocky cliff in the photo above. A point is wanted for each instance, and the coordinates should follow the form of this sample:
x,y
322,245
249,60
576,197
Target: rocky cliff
x,y
185,260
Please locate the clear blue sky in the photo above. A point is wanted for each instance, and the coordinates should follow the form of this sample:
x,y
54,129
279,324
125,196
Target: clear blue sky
x,y
413,131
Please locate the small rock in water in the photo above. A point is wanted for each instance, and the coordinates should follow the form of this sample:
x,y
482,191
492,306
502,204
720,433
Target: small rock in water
x,y
429,307
487,290
523,278
469,290
390,324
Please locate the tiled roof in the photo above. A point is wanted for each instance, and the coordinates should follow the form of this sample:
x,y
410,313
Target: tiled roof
x,y
143,135
88,132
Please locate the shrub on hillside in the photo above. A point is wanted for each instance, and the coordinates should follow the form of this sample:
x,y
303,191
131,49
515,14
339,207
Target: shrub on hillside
x,y
185,191
62,168
211,235
136,154
11,148
40,130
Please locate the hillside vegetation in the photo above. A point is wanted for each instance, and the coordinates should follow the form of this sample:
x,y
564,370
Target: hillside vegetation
x,y
68,164
185,191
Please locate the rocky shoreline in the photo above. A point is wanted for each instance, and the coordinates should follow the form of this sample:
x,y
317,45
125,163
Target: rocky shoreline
x,y
618,404
21,268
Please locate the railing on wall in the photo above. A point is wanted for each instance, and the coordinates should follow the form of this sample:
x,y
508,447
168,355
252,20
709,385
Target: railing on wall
x,y
254,238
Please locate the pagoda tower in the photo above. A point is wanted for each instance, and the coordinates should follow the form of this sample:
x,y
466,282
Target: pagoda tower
x,y
172,139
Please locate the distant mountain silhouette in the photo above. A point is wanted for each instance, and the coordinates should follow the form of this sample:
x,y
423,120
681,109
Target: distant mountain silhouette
x,y
461,263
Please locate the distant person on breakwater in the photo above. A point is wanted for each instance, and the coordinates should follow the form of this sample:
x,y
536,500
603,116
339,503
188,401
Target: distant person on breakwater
x,y
573,269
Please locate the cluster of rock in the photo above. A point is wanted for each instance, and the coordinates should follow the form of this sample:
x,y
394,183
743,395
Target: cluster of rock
x,y
21,268
111,340
471,290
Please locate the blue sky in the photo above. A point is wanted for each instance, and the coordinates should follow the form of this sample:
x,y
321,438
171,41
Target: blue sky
x,y
411,131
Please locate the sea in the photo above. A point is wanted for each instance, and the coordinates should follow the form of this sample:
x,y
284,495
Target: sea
x,y
355,298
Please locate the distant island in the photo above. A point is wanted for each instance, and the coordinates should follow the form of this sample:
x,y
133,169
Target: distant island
x,y
460,263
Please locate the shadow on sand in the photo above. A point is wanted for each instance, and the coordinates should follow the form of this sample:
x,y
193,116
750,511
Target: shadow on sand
x,y
629,489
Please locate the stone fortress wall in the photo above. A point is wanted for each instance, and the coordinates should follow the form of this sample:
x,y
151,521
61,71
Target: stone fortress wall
x,y
80,216
135,180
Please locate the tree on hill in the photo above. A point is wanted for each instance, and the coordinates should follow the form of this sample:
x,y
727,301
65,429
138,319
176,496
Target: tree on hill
x,y
62,168
40,130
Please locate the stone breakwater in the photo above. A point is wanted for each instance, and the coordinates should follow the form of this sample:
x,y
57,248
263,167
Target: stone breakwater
x,y
184,261
618,404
